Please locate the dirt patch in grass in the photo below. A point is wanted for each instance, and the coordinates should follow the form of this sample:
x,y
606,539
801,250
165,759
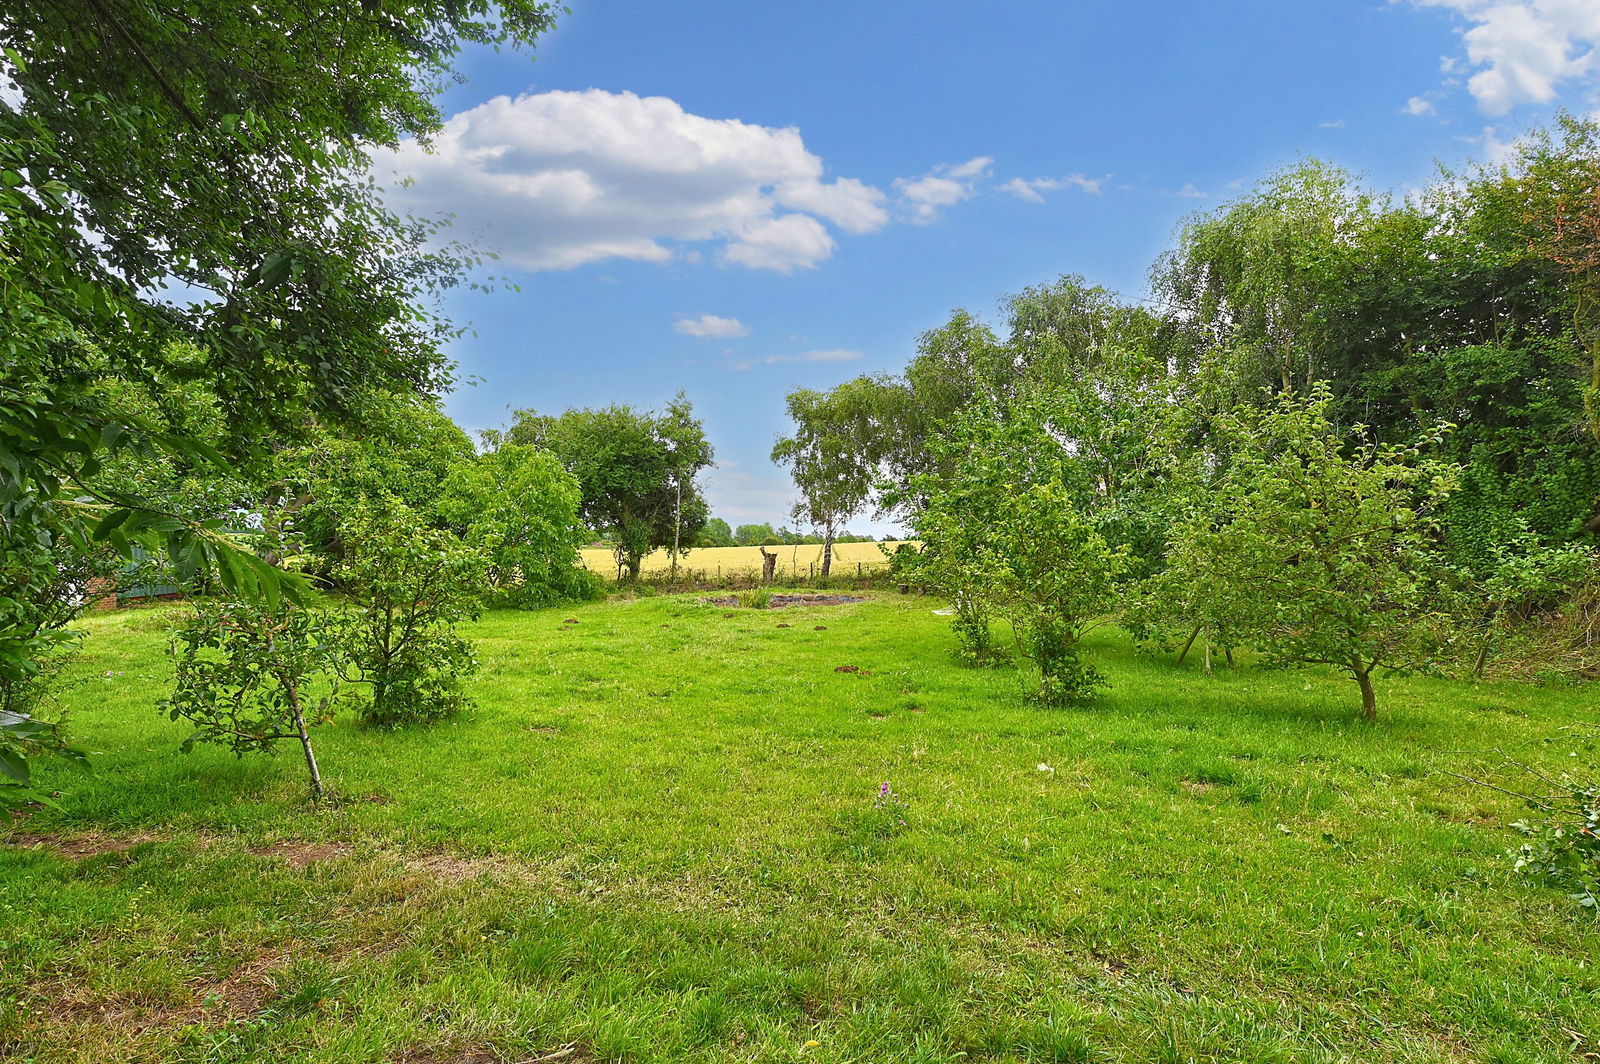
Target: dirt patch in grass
x,y
300,854
567,1054
242,993
1198,786
448,1056
778,602
454,868
124,1015
246,990
78,847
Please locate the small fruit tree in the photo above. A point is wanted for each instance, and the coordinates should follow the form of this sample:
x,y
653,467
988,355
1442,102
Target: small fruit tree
x,y
1319,550
251,674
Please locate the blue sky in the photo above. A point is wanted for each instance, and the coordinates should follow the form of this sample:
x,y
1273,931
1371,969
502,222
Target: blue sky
x,y
737,199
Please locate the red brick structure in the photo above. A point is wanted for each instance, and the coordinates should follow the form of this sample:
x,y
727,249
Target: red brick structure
x,y
102,593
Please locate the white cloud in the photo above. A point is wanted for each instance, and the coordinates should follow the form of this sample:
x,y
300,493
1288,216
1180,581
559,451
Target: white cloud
x,y
1030,189
1337,123
558,179
781,243
1190,192
833,354
1418,106
1495,151
710,326
974,167
944,186
1523,50
846,202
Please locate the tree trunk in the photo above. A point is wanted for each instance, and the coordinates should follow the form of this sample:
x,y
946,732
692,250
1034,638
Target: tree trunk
x,y
634,561
827,548
769,563
305,745
1488,638
1369,697
1189,643
1208,657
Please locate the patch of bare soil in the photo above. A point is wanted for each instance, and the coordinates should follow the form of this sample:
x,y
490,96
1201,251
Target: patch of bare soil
x,y
1198,786
567,1054
243,992
300,854
125,1015
78,847
453,867
246,990
778,602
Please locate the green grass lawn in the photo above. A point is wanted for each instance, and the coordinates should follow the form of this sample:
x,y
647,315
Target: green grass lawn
x,y
655,840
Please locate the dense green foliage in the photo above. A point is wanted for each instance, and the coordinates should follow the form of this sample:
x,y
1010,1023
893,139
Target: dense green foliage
x,y
635,470
248,676
184,204
520,506
409,585
1446,348
406,450
716,533
1316,552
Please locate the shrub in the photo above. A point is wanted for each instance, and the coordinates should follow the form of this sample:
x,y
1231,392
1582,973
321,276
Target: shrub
x,y
1027,555
1563,847
409,585
1563,841
252,674
521,507
1317,550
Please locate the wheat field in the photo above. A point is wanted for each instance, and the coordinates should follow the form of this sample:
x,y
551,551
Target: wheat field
x,y
791,559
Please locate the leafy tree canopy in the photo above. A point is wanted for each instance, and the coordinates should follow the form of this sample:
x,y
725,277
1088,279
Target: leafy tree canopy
x,y
636,471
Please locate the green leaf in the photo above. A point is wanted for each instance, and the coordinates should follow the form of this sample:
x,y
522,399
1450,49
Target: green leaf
x,y
14,765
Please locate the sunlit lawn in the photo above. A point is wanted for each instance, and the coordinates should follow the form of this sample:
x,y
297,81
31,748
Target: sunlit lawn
x,y
656,840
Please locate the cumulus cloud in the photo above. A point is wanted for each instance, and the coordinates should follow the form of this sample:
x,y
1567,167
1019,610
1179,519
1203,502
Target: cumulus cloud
x,y
1031,189
833,354
944,186
710,326
559,179
1336,123
781,243
1418,106
1523,50
1189,191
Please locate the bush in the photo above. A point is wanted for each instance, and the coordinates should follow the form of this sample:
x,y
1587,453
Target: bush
x,y
251,674
521,507
409,584
1563,847
1025,553
1563,841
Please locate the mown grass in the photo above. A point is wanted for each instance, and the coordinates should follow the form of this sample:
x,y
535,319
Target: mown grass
x,y
655,840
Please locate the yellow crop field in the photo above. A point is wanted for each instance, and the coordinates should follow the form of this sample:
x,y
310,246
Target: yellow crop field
x,y
799,559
